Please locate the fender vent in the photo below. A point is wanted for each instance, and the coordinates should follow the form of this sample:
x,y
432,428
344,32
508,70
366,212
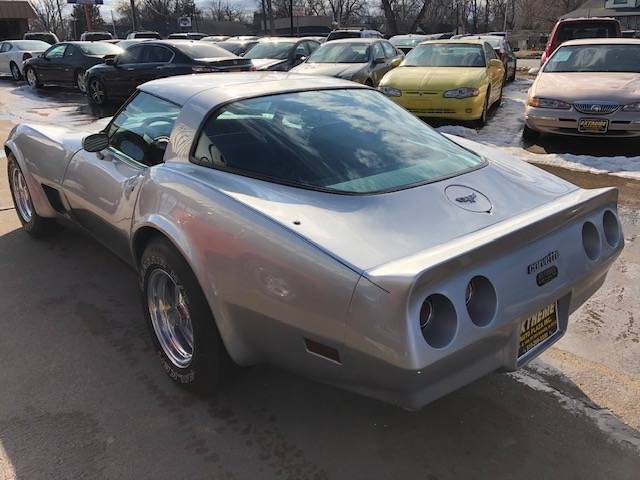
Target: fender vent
x,y
53,195
322,350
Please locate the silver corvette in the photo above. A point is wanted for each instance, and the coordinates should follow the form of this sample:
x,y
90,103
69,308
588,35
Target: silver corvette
x,y
311,223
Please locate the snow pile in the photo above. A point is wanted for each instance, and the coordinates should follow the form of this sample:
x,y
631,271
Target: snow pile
x,y
504,130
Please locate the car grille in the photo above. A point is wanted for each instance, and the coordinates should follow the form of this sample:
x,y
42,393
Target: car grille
x,y
596,108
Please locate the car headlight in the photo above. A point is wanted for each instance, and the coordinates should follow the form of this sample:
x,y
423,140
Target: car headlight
x,y
548,103
391,92
464,92
632,107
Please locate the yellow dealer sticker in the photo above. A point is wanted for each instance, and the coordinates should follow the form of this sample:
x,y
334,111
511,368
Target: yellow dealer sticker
x,y
537,328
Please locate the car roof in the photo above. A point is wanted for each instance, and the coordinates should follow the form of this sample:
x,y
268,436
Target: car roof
x,y
464,40
212,87
603,41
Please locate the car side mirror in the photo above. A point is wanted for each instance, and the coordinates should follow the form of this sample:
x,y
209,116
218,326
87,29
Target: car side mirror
x,y
110,60
300,57
378,60
95,142
495,63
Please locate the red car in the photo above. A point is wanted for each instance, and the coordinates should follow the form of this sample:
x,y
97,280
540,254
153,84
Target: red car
x,y
576,28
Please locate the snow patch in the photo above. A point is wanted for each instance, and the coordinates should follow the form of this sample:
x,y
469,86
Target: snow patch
x,y
606,422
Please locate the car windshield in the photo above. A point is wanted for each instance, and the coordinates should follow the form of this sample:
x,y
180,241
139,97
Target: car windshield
x,y
344,34
30,45
197,50
585,29
45,37
493,41
595,58
445,55
346,141
100,48
237,48
407,41
278,50
341,53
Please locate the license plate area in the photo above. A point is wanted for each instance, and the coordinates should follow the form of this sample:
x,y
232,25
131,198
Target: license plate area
x,y
593,125
538,328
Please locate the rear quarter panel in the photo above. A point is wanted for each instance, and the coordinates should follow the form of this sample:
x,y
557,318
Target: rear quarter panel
x,y
267,287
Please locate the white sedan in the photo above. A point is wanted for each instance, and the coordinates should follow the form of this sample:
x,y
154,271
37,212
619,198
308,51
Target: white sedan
x,y
13,54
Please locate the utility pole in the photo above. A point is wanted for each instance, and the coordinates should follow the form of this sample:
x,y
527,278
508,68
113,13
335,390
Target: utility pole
x,y
506,9
134,26
291,17
87,17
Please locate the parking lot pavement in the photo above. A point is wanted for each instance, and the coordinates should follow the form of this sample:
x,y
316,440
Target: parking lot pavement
x,y
83,395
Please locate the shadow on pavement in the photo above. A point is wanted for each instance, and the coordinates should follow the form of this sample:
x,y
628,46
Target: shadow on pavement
x,y
84,396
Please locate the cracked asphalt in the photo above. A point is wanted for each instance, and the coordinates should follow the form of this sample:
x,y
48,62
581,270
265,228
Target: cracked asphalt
x,y
82,394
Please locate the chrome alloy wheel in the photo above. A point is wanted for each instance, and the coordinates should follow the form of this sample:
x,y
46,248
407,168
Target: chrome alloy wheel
x,y
21,195
15,72
81,81
170,317
32,79
96,91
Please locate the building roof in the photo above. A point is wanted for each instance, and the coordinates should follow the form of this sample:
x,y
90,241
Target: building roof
x,y
595,8
16,9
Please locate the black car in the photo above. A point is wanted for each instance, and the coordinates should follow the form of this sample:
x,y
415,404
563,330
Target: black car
x,y
66,63
118,77
280,54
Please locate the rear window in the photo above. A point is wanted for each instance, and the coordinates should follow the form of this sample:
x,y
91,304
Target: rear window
x,y
198,50
30,45
343,141
587,29
339,35
99,48
237,48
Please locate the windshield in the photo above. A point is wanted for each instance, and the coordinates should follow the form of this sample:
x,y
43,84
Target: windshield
x,y
278,50
30,45
237,48
341,53
445,55
407,41
595,58
97,36
202,50
100,48
344,34
348,140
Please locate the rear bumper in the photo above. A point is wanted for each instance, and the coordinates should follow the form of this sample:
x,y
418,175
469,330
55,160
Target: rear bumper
x,y
388,356
565,122
436,106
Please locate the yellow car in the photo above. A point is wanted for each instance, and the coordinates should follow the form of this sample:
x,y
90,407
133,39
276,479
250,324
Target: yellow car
x,y
454,79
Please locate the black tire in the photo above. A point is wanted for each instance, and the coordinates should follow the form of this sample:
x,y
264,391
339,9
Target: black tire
x,y
530,134
481,122
15,72
95,85
209,362
513,76
80,82
33,224
34,82
498,102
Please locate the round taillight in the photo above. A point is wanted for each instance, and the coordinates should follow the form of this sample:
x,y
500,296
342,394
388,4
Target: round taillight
x,y
468,294
591,240
611,228
426,312
438,320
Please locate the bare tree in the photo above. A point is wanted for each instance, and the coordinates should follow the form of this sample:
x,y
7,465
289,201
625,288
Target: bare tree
x,y
49,16
223,10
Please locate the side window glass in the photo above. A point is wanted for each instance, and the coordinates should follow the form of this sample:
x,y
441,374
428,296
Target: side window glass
x,y
389,51
313,46
130,55
56,52
70,51
302,50
156,54
377,51
141,131
3,48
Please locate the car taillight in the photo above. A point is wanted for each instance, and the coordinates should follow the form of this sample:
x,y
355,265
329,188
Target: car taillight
x,y
26,56
252,68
